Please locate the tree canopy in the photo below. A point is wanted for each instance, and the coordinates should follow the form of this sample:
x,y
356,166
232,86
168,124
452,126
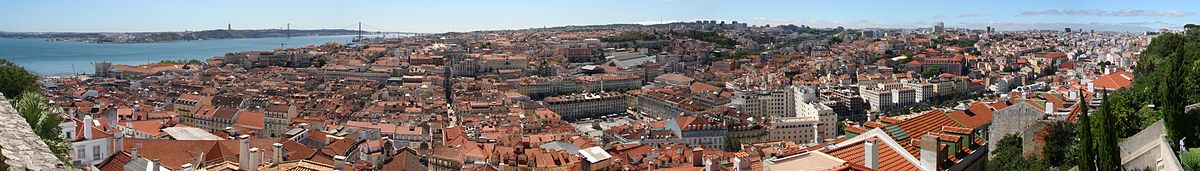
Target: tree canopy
x,y
1167,77
631,37
22,89
43,118
711,37
931,71
1007,156
732,144
15,80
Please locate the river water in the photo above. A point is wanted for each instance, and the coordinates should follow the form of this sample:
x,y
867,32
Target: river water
x,y
62,57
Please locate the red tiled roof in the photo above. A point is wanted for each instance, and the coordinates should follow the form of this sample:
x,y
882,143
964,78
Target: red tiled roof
x,y
99,129
251,119
873,124
889,159
173,153
1115,80
925,123
977,115
1055,54
856,130
152,127
115,163
1058,102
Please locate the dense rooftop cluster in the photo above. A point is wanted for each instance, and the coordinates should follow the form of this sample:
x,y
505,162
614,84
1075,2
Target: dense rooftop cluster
x,y
680,96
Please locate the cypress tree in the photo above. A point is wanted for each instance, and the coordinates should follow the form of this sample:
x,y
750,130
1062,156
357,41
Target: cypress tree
x,y
1108,155
1085,137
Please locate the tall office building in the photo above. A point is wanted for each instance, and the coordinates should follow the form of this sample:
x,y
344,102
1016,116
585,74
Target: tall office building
x,y
939,27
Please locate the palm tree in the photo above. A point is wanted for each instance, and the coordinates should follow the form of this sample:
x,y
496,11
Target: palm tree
x,y
44,120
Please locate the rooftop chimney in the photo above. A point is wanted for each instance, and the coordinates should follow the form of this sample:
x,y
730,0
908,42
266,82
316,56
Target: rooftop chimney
x,y
119,143
339,163
87,126
156,165
1050,109
254,159
697,157
710,165
871,154
931,154
231,131
133,153
277,153
244,150
738,165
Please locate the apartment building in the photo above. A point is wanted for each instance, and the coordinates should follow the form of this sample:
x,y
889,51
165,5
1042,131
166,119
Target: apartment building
x,y
588,105
813,125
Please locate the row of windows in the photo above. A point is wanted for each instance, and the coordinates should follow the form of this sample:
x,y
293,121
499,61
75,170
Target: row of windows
x,y
81,152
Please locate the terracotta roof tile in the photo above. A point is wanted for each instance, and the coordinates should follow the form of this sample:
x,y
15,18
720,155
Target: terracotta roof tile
x,y
251,119
1114,80
976,116
889,159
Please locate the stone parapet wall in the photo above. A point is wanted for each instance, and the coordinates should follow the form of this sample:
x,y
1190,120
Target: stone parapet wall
x,y
22,149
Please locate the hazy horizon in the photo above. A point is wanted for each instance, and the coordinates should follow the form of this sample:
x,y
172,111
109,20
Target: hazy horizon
x,y
467,15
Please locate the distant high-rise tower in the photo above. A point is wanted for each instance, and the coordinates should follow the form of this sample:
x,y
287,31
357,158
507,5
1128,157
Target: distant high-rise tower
x,y
1068,29
989,29
939,27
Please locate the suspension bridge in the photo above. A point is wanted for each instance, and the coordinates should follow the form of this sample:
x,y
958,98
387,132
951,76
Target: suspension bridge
x,y
360,27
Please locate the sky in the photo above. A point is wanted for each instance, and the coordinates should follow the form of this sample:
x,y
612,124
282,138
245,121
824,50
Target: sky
x,y
436,16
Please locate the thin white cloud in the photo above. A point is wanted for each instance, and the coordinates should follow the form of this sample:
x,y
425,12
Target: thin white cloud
x,y
1041,12
1120,13
1149,24
1008,26
1135,12
965,15
1085,12
1013,26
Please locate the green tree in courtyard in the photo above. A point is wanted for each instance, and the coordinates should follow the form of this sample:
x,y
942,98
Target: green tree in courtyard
x,y
732,144
1007,156
1059,152
931,71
